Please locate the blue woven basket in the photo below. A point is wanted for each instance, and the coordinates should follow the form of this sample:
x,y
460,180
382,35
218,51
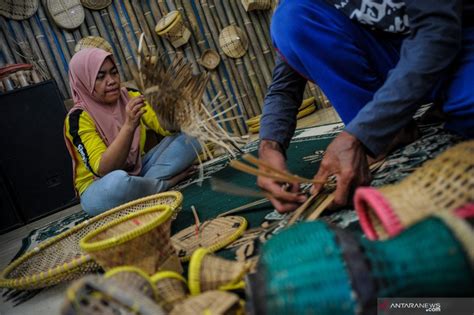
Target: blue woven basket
x,y
305,273
425,260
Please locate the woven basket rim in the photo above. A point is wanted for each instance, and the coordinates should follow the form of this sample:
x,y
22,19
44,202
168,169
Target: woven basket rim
x,y
93,5
114,271
215,247
165,28
167,275
8,282
194,270
92,246
105,45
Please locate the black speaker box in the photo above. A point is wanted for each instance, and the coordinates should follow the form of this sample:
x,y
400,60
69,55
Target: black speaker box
x,y
34,158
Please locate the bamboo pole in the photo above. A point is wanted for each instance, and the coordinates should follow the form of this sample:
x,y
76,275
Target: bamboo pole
x,y
169,49
149,46
91,26
266,51
37,53
10,43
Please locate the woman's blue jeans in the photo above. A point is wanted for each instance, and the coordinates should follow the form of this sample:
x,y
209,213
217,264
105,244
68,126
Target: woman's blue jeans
x,y
171,156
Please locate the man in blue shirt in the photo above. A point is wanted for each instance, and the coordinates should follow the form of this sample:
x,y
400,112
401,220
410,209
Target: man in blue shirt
x,y
377,61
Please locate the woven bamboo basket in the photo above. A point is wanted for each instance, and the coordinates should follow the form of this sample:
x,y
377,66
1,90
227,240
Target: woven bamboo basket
x,y
94,295
172,27
210,59
233,41
208,272
130,277
93,42
96,4
210,302
250,5
171,289
140,239
61,259
442,184
18,9
213,235
66,14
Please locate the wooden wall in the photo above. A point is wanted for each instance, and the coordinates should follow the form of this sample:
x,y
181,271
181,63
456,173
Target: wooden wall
x,y
243,81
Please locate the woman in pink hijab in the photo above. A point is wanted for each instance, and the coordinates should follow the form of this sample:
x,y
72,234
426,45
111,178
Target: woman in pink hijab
x,y
105,133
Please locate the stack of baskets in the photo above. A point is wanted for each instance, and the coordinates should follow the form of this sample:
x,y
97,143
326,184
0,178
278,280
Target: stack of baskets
x,y
172,27
330,271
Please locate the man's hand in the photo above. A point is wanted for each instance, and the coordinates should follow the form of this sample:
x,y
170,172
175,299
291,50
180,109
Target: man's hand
x,y
346,158
283,199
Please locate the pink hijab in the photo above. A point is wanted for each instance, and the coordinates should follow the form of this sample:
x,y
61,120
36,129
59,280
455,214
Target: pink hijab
x,y
109,119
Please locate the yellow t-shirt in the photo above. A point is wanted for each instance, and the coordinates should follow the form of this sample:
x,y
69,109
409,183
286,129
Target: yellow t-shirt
x,y
81,131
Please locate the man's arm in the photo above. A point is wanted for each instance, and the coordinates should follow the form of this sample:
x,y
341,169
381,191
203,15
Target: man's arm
x,y
428,52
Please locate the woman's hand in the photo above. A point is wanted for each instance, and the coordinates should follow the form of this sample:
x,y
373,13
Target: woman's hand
x,y
134,111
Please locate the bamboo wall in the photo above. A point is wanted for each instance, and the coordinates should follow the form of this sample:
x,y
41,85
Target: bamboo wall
x,y
243,81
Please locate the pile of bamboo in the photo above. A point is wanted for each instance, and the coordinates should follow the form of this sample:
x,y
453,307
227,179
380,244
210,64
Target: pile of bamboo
x,y
243,81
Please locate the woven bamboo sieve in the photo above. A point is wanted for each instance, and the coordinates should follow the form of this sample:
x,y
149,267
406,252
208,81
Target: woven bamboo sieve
x,y
61,258
18,9
213,235
172,27
171,289
96,4
210,302
208,272
93,42
94,295
442,184
210,59
66,14
126,277
250,5
140,239
233,41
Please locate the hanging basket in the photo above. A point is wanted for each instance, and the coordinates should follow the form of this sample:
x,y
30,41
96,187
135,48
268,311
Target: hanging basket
x,y
93,42
172,27
61,259
171,289
140,239
233,41
213,235
66,14
251,5
210,59
96,4
18,9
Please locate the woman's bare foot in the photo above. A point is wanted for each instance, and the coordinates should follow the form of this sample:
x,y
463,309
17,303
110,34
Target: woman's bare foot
x,y
183,175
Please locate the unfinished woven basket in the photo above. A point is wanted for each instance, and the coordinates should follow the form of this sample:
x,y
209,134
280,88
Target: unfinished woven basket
x,y
233,41
93,42
213,235
96,4
94,295
171,289
250,5
18,9
210,59
61,258
140,239
208,272
172,27
442,184
130,277
210,302
67,14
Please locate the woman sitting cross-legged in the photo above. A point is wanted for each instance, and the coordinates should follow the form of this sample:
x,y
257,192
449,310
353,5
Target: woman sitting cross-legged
x,y
105,133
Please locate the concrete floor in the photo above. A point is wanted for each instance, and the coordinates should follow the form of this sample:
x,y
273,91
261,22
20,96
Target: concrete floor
x,y
49,301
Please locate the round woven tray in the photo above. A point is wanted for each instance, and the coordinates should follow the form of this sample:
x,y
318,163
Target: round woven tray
x,y
233,41
439,185
18,9
93,42
213,235
61,258
171,289
210,302
172,27
210,59
208,272
66,14
140,239
96,4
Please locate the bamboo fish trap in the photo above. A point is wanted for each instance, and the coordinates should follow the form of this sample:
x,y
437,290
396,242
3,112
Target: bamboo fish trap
x,y
61,259
172,27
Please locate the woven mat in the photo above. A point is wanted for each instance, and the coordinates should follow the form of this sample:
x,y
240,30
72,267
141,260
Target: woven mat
x,y
305,153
